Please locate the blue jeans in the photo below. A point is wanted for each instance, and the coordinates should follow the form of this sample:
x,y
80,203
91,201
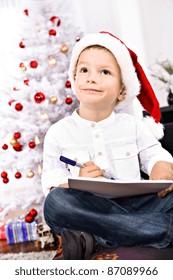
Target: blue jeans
x,y
144,220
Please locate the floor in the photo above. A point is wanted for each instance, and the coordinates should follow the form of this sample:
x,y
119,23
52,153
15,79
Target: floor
x,y
20,247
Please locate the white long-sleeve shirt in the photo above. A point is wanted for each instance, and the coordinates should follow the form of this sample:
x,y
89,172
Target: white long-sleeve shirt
x,y
120,144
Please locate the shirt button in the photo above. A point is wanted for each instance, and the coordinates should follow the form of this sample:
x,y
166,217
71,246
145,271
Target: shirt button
x,y
128,154
99,153
93,124
97,135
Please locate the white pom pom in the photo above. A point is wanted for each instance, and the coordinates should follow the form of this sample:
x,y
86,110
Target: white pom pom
x,y
156,128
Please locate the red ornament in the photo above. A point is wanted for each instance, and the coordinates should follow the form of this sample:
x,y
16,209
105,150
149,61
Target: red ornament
x,y
11,101
5,147
5,180
68,84
33,64
29,218
32,144
68,100
33,212
39,97
56,20
21,45
26,12
26,82
17,147
18,175
18,107
52,32
17,135
22,66
77,39
15,89
4,174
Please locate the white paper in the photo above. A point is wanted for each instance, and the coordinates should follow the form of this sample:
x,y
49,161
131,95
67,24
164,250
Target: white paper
x,y
116,188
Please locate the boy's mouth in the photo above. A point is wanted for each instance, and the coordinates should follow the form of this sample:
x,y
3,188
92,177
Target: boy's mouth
x,y
92,90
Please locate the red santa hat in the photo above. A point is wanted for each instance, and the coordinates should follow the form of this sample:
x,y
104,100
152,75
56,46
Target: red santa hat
x,y
133,77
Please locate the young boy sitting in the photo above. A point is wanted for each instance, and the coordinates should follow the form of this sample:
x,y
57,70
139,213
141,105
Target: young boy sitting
x,y
105,135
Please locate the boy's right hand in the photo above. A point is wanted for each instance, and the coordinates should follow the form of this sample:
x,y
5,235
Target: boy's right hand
x,y
90,170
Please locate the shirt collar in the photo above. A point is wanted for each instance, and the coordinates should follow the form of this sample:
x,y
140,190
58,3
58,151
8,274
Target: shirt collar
x,y
86,123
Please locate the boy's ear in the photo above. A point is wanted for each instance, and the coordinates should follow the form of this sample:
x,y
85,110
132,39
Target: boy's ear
x,y
122,94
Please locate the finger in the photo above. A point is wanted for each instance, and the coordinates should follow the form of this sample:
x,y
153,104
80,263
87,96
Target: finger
x,y
96,173
89,163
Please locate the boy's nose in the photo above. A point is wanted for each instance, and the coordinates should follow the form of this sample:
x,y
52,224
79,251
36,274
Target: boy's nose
x,y
91,78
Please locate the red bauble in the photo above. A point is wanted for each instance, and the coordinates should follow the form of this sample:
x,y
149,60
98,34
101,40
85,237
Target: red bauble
x,y
29,218
18,175
11,101
17,147
32,144
17,135
5,180
39,97
15,89
33,212
4,174
52,32
21,45
5,147
68,84
68,100
33,64
26,82
18,107
26,12
55,20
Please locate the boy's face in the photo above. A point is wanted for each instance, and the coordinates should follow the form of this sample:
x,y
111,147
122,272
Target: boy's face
x,y
98,82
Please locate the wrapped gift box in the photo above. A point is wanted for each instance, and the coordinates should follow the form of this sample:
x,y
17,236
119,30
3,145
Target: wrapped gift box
x,y
2,231
19,231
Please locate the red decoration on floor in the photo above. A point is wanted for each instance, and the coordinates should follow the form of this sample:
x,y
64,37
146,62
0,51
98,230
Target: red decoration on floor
x,y
29,218
33,212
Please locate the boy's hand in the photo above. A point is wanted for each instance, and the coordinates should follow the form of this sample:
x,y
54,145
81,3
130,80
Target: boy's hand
x,y
90,170
162,170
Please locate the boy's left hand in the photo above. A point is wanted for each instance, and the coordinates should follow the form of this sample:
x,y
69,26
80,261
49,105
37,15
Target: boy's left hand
x,y
162,170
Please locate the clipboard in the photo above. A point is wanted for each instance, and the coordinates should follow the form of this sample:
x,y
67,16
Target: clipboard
x,y
118,188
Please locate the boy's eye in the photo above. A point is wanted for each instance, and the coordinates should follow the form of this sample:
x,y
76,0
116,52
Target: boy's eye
x,y
106,72
83,70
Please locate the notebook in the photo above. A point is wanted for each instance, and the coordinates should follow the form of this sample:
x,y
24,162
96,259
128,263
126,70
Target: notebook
x,y
116,188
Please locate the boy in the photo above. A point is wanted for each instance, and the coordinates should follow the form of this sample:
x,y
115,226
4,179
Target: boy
x,y
106,78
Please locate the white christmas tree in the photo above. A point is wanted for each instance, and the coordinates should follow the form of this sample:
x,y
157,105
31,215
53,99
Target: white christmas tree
x,y
36,94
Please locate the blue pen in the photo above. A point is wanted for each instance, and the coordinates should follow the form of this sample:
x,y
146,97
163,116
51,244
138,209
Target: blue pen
x,y
74,163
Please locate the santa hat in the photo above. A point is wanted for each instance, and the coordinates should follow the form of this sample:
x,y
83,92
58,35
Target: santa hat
x,y
133,77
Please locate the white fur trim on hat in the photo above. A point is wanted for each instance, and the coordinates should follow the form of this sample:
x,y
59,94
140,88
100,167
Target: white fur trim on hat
x,y
121,54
